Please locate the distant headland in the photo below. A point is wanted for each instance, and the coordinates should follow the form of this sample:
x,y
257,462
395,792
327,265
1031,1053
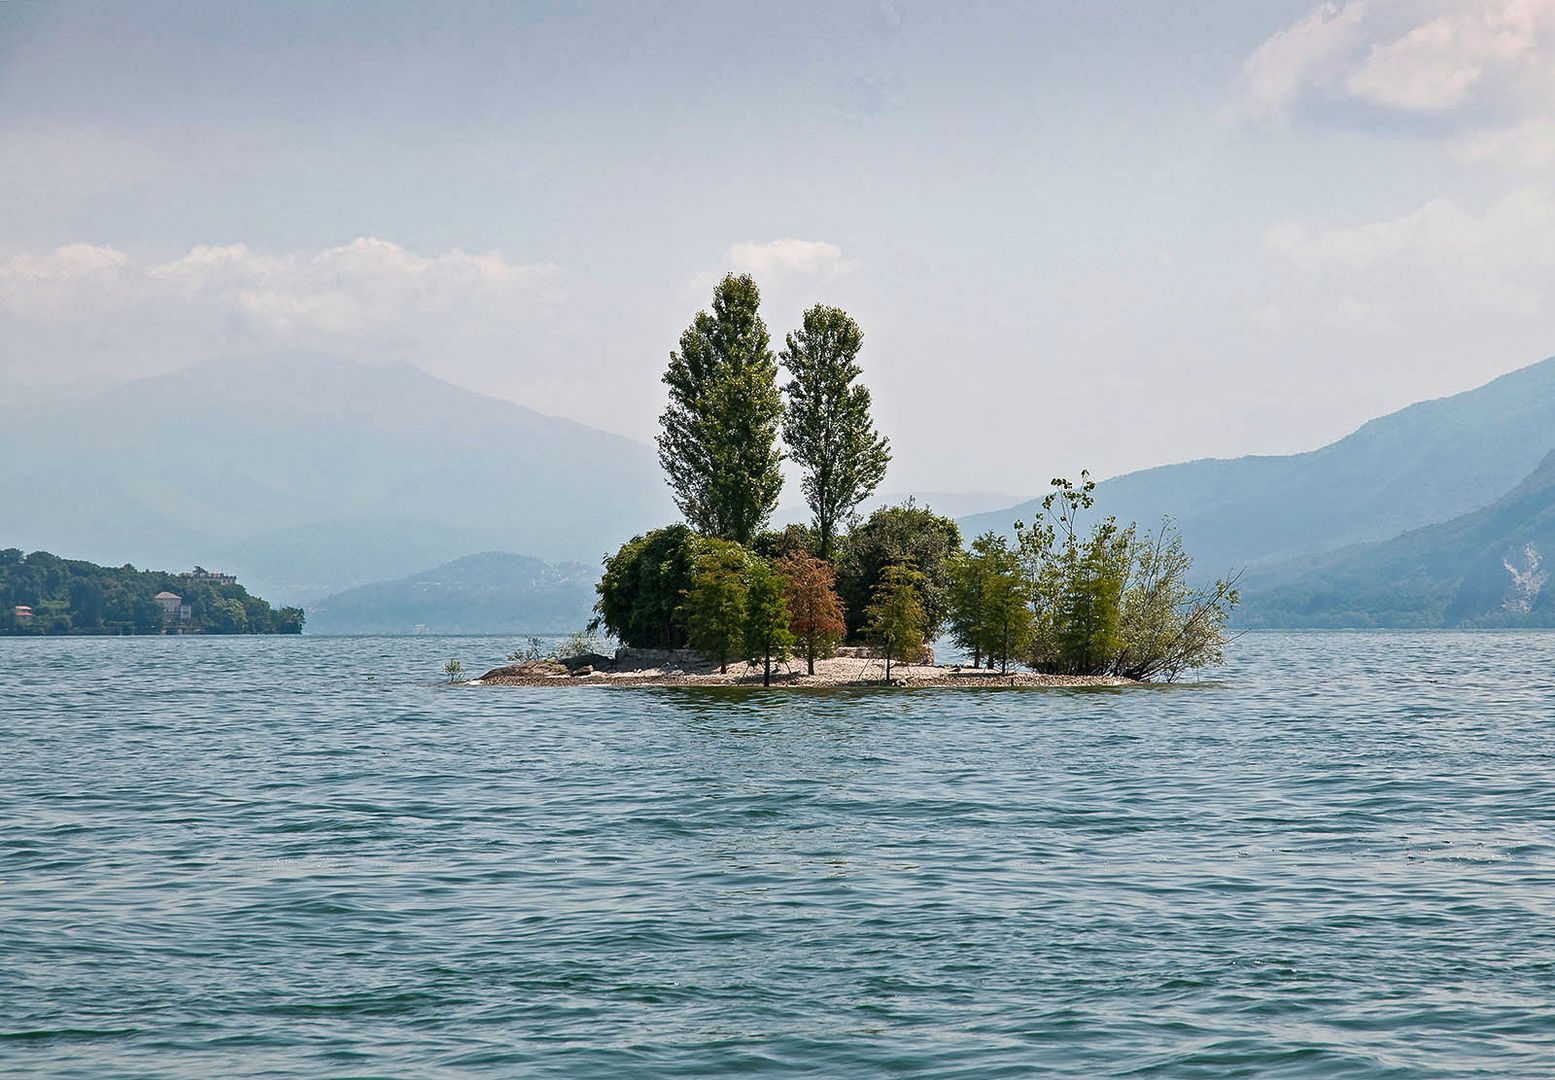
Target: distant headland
x,y
43,594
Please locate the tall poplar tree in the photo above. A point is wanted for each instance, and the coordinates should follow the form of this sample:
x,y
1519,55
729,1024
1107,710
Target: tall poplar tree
x,y
826,423
718,443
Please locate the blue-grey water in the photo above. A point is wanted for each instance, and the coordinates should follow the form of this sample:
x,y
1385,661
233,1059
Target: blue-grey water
x,y
303,857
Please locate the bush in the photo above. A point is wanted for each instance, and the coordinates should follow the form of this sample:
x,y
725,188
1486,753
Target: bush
x,y
1114,601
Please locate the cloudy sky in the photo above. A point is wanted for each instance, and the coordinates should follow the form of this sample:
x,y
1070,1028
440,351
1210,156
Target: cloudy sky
x,y
1111,235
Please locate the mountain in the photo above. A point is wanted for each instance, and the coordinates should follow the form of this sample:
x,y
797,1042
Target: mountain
x,y
305,474
1426,463
491,593
1489,567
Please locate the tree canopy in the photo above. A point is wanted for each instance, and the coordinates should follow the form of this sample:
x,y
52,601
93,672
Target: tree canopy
x,y
896,620
767,634
718,437
816,615
643,587
826,423
715,604
897,534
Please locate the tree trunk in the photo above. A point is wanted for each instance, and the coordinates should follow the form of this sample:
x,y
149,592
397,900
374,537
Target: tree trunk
x,y
977,657
723,665
888,665
809,654
766,670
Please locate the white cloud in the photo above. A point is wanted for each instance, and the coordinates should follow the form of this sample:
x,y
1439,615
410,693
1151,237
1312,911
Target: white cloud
x,y
117,316
1439,64
789,258
1309,51
364,287
1410,57
1436,259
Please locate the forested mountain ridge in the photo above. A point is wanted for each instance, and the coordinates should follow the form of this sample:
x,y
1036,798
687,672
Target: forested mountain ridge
x,y
1426,463
1489,567
42,593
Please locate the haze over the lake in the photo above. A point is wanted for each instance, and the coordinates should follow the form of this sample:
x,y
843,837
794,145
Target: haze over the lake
x,y
1227,227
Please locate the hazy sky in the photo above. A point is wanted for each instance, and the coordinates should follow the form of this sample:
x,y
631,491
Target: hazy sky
x,y
1075,233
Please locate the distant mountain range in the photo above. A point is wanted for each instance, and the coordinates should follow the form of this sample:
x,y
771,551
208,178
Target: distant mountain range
x,y
1424,464
1489,567
305,474
952,504
491,593
309,476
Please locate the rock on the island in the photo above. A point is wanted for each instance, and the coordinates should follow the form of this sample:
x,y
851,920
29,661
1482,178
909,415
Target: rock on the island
x,y
586,669
592,660
526,669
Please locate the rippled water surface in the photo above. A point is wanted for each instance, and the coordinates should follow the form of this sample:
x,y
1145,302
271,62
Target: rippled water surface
x,y
302,857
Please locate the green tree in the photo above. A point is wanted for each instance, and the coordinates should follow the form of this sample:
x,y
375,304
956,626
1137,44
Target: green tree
x,y
779,544
989,602
643,588
1167,626
718,443
767,633
826,423
1113,601
896,616
897,534
815,608
715,605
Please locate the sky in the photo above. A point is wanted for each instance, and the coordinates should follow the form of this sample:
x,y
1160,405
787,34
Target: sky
x,y
1075,234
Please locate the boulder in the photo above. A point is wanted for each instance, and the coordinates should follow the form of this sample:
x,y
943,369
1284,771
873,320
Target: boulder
x,y
528,669
592,660
584,670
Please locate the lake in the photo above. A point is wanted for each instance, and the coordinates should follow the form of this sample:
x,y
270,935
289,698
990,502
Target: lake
x,y
304,857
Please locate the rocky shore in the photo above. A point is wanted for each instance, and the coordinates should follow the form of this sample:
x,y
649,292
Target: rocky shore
x,y
636,668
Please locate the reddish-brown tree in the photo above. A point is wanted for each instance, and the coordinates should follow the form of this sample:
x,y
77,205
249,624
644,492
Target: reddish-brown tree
x,y
815,610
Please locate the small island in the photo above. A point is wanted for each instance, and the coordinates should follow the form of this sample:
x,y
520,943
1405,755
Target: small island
x,y
723,599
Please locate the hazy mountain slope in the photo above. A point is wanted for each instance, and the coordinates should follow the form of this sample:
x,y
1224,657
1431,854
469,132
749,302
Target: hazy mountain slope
x,y
305,474
1423,464
491,593
1489,567
950,503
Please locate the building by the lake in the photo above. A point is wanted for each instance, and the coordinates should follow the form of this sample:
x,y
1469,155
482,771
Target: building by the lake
x,y
214,577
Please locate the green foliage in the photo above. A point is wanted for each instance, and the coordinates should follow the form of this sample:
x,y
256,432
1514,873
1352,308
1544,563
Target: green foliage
x,y
643,586
816,614
767,633
71,596
716,603
718,443
532,649
1113,602
1165,626
896,619
453,671
580,643
826,423
989,602
898,534
791,540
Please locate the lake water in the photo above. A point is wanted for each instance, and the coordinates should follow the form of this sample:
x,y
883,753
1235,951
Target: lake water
x,y
302,857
